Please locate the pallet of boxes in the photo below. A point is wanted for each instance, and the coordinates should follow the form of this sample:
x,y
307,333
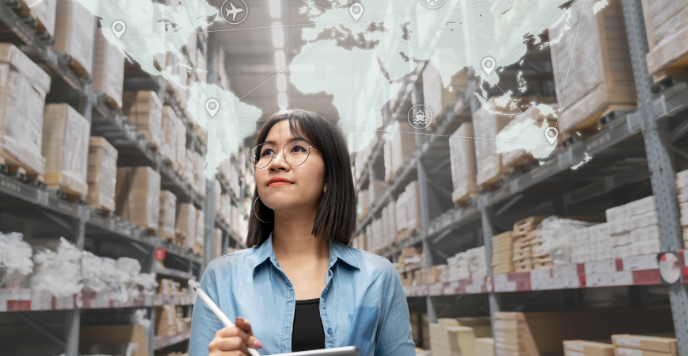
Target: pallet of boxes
x,y
458,336
682,184
666,24
463,164
170,319
525,242
137,196
641,345
410,256
503,253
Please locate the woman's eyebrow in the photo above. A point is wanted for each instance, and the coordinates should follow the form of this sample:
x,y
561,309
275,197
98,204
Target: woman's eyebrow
x,y
298,138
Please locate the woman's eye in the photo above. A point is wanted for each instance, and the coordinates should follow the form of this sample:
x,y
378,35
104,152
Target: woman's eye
x,y
298,148
266,152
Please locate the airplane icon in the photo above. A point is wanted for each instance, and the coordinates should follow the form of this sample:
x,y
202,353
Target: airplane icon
x,y
234,11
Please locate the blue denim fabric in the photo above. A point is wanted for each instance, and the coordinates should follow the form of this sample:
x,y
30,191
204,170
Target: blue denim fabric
x,y
363,303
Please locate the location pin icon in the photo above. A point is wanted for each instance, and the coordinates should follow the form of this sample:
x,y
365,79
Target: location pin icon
x,y
358,11
488,65
551,134
118,28
212,106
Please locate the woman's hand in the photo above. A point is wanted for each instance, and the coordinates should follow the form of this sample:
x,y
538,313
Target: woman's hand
x,y
234,341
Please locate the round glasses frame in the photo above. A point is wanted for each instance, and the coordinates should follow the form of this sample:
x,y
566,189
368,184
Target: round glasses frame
x,y
284,153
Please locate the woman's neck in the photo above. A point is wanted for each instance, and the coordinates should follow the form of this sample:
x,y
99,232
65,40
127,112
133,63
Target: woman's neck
x,y
292,239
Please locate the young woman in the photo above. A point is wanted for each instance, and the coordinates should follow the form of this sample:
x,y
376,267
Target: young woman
x,y
300,286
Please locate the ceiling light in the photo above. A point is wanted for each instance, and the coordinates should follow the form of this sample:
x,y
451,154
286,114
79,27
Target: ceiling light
x,y
277,34
281,83
275,9
282,100
280,62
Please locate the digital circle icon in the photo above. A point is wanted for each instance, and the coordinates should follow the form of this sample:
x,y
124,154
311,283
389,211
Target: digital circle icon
x,y
212,106
118,28
489,65
420,116
356,11
234,12
432,4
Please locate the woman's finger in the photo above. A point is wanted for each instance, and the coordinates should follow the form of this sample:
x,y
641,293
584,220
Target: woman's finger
x,y
245,325
234,343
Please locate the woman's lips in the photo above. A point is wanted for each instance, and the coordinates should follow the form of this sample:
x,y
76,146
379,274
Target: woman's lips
x,y
277,184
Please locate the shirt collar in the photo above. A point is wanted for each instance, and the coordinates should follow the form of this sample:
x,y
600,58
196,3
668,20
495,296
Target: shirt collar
x,y
338,251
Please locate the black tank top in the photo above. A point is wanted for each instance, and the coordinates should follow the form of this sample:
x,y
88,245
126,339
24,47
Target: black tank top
x,y
308,333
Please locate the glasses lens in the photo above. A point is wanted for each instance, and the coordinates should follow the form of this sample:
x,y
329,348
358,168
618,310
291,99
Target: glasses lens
x,y
262,154
296,152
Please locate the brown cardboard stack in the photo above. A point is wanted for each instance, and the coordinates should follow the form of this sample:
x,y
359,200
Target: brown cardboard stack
x,y
137,195
600,77
524,240
639,345
407,208
108,71
463,165
167,322
170,137
502,253
23,86
168,212
90,336
75,28
180,155
43,12
516,158
185,225
199,174
398,147
435,96
485,346
587,348
198,240
666,22
169,287
682,185
457,336
102,174
415,319
487,125
145,111
543,333
65,148
189,167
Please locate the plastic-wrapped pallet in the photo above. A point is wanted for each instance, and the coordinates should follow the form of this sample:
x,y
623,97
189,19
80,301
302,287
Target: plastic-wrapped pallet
x,y
402,143
435,96
75,28
23,86
633,228
65,148
108,71
682,184
58,271
144,110
190,169
361,159
185,225
476,262
486,126
169,126
217,193
200,234
180,155
601,65
44,14
518,157
666,22
463,164
199,174
458,267
102,174
137,196
555,234
600,243
413,218
15,258
168,213
580,245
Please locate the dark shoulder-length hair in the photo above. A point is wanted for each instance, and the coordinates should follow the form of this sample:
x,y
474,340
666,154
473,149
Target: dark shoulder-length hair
x,y
336,216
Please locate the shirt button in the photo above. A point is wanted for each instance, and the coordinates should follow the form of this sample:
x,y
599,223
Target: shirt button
x,y
329,331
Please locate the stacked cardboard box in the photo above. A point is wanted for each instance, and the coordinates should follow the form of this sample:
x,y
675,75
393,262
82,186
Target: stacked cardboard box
x,y
217,241
435,96
43,12
217,196
180,148
65,148
458,267
682,184
102,174
457,336
639,345
137,196
200,226
587,348
226,212
92,337
108,72
168,212
468,264
399,144
407,208
487,125
144,110
666,22
199,174
170,287
391,212
22,97
75,28
485,346
631,230
169,126
463,165
185,225
168,321
189,173
524,240
600,63
502,253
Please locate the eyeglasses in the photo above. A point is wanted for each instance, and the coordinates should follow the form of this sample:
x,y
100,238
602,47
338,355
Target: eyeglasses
x,y
295,153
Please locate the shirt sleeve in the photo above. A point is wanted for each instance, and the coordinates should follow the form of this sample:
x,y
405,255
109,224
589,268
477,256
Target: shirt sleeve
x,y
394,337
204,323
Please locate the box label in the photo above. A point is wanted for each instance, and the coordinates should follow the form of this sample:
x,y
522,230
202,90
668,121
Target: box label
x,y
577,347
629,352
627,342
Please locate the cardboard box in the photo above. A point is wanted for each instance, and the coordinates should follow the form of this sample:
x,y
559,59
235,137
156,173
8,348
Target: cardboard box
x,y
186,224
65,148
484,346
435,95
137,196
666,22
625,351
199,173
75,29
102,174
198,243
144,110
600,64
181,145
487,125
108,70
398,147
649,343
168,212
589,347
166,321
43,12
217,240
23,86
113,334
463,164
170,137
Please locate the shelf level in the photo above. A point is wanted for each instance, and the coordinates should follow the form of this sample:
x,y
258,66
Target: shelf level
x,y
161,342
12,300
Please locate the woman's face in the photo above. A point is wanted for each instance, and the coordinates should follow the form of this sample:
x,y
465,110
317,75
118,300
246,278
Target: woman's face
x,y
282,186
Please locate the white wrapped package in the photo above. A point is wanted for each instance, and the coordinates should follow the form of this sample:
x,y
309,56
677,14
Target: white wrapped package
x,y
15,256
98,272
555,234
59,271
146,281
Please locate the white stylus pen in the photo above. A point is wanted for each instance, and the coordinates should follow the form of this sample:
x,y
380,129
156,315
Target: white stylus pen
x,y
220,315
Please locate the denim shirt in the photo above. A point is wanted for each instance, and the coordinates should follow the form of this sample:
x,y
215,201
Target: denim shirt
x,y
363,303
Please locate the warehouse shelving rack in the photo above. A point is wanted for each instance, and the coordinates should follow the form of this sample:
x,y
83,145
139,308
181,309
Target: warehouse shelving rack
x,y
630,152
36,211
